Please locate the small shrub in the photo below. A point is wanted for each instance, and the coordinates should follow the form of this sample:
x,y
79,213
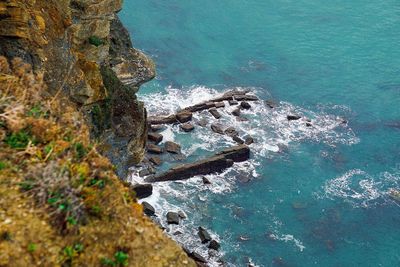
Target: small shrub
x,y
3,165
32,247
19,140
121,258
107,262
80,150
96,41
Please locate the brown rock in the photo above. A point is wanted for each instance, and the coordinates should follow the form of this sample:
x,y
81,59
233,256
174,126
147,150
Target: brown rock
x,y
161,119
219,104
245,105
155,137
236,112
142,190
156,160
238,140
187,127
154,149
172,147
217,128
231,132
233,102
215,113
184,116
248,140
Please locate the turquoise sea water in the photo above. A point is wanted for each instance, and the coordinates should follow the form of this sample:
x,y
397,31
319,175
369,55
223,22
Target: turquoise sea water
x,y
323,199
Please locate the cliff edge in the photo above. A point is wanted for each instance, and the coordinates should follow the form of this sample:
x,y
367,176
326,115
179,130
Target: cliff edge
x,y
68,78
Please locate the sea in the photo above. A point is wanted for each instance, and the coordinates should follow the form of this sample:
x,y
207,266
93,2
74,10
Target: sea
x,y
319,195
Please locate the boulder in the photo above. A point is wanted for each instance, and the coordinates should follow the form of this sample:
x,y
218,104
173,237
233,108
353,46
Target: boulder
x,y
245,105
204,235
172,217
308,124
155,137
142,190
172,147
214,244
248,140
231,131
187,127
154,149
217,128
219,104
202,122
156,128
270,104
238,140
236,112
246,98
205,180
148,209
182,215
184,116
156,160
236,153
144,172
293,117
233,102
215,113
161,119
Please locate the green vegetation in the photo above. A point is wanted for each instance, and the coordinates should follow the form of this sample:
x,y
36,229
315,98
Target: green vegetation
x,y
32,247
19,140
96,41
120,259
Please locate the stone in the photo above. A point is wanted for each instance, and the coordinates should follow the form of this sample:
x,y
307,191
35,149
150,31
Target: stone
x,y
161,119
155,137
182,215
148,209
270,104
236,112
184,116
233,102
187,127
248,140
197,257
238,140
156,160
156,128
204,235
246,98
219,104
142,190
231,131
214,244
154,149
172,147
245,105
217,128
172,217
242,178
144,172
205,180
215,113
293,117
236,153
308,124
202,122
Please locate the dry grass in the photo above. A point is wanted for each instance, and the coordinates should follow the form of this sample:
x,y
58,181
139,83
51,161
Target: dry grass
x,y
60,201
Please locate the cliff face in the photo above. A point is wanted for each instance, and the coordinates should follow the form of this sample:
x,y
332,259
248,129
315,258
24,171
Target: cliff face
x,y
85,53
75,82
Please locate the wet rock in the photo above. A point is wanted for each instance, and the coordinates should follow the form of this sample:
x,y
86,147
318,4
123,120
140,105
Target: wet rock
x,y
205,180
248,140
231,132
187,127
242,178
236,153
142,190
155,137
215,113
184,116
144,172
204,235
293,117
233,102
172,147
172,217
308,124
161,119
156,160
148,209
238,140
202,122
156,128
182,215
154,149
245,105
219,104
246,98
217,128
214,245
177,233
236,112
270,104
197,257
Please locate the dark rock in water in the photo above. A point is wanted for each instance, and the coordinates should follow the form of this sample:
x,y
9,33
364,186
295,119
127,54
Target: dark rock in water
x,y
184,116
156,128
233,102
219,104
221,161
155,137
142,190
197,257
156,160
271,104
249,140
217,128
172,217
214,245
205,180
215,113
204,235
308,124
172,147
144,172
243,178
182,215
231,132
202,122
246,98
293,117
148,209
187,127
161,119
177,233
236,112
154,149
238,140
245,105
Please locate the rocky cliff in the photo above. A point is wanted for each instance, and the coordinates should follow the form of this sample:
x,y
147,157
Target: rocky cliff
x,y
68,78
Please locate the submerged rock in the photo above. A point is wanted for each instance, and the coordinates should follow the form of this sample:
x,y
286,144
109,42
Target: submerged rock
x,y
271,104
148,209
155,137
172,217
142,190
204,235
187,127
202,122
215,113
172,147
217,128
